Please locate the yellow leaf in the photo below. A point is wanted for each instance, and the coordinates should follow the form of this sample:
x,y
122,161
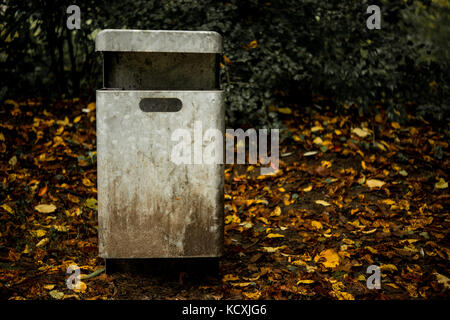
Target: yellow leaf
x,y
344,295
443,280
374,183
42,243
393,285
26,250
395,125
276,212
77,119
45,208
299,263
13,161
326,164
49,286
273,249
316,224
369,231
241,284
91,106
379,118
232,218
253,44
362,133
252,295
264,220
80,287
318,140
55,294
441,184
323,203
285,110
388,267
230,277
372,250
7,208
308,188
39,233
388,202
275,235
330,257
305,281
316,128
61,228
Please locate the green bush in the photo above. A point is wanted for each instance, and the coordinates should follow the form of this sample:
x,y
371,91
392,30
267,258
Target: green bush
x,y
277,53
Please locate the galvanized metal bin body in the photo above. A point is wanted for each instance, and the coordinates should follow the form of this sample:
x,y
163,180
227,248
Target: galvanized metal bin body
x,y
149,206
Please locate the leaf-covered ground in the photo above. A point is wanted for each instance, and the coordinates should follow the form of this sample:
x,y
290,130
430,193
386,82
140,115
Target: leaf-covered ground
x,y
350,192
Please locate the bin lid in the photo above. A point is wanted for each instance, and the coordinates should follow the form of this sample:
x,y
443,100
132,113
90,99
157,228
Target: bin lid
x,y
158,41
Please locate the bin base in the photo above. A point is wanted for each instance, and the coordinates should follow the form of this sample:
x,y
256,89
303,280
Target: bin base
x,y
164,266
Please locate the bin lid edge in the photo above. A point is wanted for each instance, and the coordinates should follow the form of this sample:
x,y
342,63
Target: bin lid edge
x,y
124,40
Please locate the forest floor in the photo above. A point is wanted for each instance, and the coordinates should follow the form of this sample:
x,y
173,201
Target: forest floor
x,y
350,192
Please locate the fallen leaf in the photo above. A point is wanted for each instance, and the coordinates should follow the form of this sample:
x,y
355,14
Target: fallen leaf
x,y
441,184
80,287
443,280
49,286
42,243
318,140
285,110
45,208
87,182
275,235
26,249
252,295
273,249
330,257
310,153
42,191
305,282
276,212
13,161
55,294
388,267
91,203
230,277
323,203
374,183
39,233
73,198
362,133
241,284
395,125
7,208
316,224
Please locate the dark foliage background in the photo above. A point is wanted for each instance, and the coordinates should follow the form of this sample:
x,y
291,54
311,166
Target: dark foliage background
x,y
303,50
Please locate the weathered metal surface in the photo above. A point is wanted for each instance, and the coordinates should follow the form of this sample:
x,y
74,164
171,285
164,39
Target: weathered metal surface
x,y
158,41
160,71
148,206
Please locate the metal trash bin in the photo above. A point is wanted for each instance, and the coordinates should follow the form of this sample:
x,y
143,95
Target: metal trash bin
x,y
156,82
